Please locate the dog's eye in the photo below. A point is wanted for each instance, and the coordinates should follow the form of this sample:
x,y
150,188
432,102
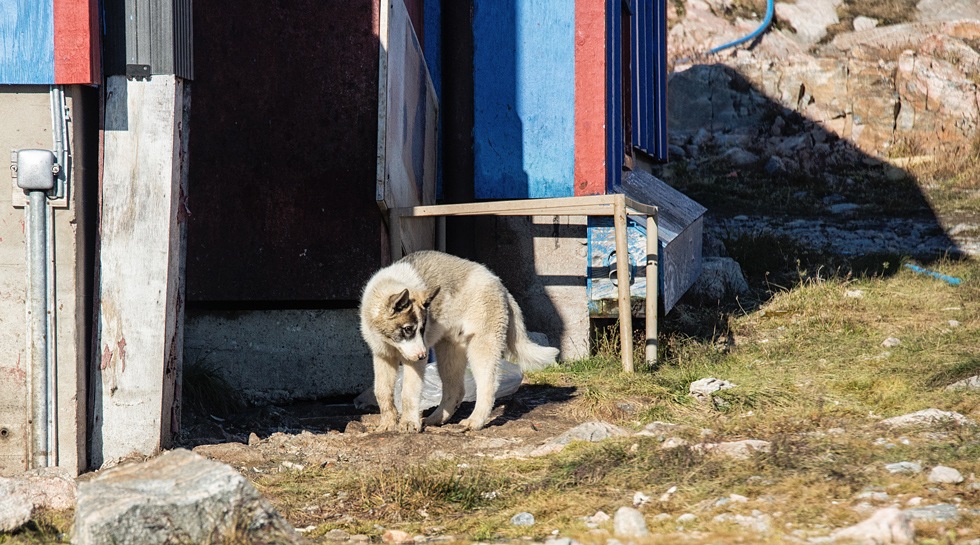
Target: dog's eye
x,y
408,331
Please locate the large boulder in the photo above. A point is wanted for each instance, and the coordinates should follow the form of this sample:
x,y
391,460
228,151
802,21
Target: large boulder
x,y
177,497
46,488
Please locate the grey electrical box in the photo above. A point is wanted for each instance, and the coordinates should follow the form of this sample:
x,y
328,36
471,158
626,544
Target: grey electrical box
x,y
36,170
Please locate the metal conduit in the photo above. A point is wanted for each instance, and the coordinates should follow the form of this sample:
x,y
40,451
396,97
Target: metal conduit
x,y
38,270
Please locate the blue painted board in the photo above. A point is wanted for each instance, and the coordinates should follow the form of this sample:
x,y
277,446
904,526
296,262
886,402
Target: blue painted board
x,y
26,42
524,98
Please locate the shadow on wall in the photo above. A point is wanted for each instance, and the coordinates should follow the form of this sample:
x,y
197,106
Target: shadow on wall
x,y
760,166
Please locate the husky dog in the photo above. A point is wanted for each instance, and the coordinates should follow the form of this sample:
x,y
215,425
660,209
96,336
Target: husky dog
x,y
459,308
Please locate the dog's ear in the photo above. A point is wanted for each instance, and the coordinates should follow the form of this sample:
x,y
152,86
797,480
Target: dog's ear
x,y
431,295
399,301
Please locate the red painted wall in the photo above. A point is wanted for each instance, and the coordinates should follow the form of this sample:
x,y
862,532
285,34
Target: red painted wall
x,y
590,97
76,42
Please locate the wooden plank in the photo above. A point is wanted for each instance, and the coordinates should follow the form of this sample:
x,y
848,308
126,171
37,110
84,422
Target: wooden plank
x,y
76,43
590,97
140,318
381,189
625,316
27,42
407,168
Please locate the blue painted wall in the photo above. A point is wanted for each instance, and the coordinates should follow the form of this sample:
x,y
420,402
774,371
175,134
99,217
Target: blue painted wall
x,y
433,60
26,42
524,98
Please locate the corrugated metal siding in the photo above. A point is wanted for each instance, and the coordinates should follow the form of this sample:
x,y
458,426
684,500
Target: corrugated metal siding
x,y
156,33
614,94
649,58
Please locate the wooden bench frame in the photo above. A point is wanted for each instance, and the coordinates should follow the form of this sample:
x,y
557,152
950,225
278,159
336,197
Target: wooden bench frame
x,y
615,205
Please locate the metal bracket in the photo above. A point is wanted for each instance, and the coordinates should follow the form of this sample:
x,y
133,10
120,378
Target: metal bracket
x,y
139,72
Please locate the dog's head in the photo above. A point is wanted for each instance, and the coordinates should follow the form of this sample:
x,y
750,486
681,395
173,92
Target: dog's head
x,y
408,314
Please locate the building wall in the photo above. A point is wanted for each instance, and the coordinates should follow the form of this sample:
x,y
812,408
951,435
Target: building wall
x,y
283,153
524,98
542,262
25,123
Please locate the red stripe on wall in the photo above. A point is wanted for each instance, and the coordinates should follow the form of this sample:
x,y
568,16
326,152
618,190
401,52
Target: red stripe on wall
x,y
76,58
590,97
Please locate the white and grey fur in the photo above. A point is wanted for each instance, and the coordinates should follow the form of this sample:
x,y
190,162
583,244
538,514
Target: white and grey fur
x,y
461,310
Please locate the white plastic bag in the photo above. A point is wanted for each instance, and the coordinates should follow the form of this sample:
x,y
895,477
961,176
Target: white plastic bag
x,y
509,377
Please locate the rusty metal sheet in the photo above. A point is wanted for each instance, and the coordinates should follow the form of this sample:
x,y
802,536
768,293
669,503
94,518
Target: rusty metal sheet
x,y
282,151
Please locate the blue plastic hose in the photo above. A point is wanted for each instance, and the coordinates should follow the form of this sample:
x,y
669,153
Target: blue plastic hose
x,y
766,21
948,279
770,9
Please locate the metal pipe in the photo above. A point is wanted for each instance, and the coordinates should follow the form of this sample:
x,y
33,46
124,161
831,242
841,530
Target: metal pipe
x,y
52,352
38,269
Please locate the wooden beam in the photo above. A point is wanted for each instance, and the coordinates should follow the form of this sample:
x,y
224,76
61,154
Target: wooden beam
x,y
623,282
141,262
616,205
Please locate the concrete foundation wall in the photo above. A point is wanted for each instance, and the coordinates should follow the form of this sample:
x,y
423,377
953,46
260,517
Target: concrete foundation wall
x,y
275,356
25,123
542,260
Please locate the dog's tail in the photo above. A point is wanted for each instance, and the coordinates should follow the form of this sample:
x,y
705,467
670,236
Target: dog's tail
x,y
524,352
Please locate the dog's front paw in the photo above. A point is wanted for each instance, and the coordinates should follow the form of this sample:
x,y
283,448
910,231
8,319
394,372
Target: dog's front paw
x,y
386,424
410,426
471,424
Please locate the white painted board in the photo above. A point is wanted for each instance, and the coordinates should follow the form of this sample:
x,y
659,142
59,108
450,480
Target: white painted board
x,y
408,111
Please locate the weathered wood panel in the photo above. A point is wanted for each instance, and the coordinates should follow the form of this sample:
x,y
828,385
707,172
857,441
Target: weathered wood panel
x,y
524,98
590,97
406,128
27,42
76,42
282,175
140,319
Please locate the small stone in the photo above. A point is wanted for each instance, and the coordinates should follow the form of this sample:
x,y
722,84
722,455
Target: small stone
x,y
887,525
927,417
687,518
522,519
864,23
954,323
913,502
396,536
891,342
673,442
640,499
972,383
774,165
740,157
662,516
336,535
854,294
703,388
904,467
942,512
599,517
359,538
737,498
946,475
667,494
629,522
253,439
738,450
